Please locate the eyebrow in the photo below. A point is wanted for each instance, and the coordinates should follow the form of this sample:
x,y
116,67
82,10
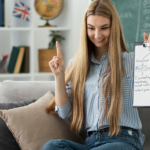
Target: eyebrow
x,y
101,26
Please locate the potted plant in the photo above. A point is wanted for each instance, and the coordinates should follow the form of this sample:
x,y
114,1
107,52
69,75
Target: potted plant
x,y
55,37
45,55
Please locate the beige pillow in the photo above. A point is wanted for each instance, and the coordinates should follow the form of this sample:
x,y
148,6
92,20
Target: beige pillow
x,y
32,127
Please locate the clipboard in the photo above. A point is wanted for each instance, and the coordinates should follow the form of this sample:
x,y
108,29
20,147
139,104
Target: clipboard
x,y
141,79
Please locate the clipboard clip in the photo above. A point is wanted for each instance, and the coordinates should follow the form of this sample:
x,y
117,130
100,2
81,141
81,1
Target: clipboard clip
x,y
146,44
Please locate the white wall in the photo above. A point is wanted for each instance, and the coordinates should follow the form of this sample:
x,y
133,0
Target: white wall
x,y
79,8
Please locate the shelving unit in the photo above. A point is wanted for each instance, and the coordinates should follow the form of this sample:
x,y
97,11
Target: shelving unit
x,y
30,34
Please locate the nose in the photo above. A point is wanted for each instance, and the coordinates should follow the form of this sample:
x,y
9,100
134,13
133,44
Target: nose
x,y
98,34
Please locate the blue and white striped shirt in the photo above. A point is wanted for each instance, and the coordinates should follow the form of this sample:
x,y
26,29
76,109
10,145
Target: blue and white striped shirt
x,y
94,100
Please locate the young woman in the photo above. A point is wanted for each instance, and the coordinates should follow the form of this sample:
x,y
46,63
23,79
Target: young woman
x,y
97,86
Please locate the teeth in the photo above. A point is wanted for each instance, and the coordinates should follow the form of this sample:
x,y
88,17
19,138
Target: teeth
x,y
99,41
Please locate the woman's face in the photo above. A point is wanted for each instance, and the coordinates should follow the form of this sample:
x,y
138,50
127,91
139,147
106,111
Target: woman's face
x,y
98,30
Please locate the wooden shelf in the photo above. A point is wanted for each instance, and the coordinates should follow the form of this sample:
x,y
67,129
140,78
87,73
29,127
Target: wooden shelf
x,y
14,29
55,29
44,74
3,75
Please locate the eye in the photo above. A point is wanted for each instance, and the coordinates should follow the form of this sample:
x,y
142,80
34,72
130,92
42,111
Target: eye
x,y
104,28
91,28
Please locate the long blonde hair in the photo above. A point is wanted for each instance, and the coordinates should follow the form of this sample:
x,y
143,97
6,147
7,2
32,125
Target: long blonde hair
x,y
80,67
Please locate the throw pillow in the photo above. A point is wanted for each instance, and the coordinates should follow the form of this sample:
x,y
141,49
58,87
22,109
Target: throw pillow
x,y
33,127
7,141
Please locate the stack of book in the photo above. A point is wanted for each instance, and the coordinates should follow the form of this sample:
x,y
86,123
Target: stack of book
x,y
19,60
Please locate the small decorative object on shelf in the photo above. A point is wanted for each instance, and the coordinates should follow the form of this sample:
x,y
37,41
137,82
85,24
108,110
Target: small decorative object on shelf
x,y
22,12
45,55
3,63
48,9
55,37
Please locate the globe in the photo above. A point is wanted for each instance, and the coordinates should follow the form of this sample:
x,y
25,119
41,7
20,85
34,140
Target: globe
x,y
48,9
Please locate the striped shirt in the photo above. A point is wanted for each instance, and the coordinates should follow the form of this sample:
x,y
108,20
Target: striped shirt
x,y
94,100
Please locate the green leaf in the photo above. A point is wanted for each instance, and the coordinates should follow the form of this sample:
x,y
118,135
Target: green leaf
x,y
55,36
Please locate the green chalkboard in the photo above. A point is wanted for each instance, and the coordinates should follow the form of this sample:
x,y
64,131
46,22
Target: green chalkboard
x,y
135,19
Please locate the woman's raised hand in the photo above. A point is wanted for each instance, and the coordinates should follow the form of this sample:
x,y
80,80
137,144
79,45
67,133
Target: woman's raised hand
x,y
146,38
57,64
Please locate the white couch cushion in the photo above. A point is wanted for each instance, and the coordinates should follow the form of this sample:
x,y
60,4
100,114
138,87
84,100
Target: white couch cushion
x,y
16,91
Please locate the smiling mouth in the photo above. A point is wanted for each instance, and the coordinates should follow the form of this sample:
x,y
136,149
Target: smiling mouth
x,y
99,41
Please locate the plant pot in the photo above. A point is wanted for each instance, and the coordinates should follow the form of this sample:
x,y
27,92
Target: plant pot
x,y
45,55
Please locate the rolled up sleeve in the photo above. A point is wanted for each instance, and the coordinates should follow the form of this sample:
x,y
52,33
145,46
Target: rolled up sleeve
x,y
64,112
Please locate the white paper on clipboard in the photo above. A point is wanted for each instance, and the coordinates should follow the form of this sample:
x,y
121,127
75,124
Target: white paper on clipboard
x,y
141,95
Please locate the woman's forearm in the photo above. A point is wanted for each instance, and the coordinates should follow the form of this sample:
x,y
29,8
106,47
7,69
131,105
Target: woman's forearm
x,y
61,96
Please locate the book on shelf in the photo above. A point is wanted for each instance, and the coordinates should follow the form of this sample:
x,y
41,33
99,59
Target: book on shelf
x,y
2,21
26,61
19,60
12,59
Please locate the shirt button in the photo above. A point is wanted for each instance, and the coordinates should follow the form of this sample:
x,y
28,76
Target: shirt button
x,y
96,88
98,75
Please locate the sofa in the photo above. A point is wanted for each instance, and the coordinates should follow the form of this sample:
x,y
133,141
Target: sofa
x,y
27,123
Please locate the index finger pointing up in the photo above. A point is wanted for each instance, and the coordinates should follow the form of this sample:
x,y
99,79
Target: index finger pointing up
x,y
58,50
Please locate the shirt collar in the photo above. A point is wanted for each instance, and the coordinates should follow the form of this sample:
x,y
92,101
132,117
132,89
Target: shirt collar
x,y
94,60
105,55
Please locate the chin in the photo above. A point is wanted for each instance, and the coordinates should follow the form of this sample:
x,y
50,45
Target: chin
x,y
99,45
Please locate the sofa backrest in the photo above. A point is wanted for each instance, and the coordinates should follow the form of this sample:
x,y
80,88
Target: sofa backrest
x,y
16,91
